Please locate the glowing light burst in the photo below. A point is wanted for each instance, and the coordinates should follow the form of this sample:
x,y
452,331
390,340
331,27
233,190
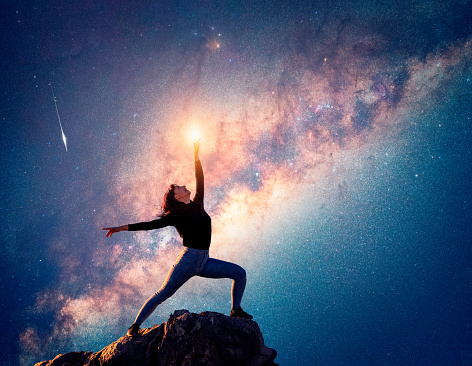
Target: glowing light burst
x,y
194,133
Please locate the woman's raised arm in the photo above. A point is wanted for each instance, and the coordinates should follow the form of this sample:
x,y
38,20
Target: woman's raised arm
x,y
196,148
198,175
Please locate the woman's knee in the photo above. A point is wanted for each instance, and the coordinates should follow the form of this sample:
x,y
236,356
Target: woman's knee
x,y
241,273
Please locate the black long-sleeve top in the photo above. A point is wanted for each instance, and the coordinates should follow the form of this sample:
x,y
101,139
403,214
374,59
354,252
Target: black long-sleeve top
x,y
192,222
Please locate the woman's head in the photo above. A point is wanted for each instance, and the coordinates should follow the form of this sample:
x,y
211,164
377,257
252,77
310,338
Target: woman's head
x,y
173,198
181,193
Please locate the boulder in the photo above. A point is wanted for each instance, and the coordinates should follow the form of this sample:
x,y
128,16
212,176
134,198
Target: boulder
x,y
186,339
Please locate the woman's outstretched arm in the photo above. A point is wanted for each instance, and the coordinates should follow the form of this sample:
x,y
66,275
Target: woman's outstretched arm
x,y
159,223
116,229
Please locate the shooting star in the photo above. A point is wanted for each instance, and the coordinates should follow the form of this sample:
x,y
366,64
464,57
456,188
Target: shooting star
x,y
59,118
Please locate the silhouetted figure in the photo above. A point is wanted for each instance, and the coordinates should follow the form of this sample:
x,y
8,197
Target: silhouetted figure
x,y
194,226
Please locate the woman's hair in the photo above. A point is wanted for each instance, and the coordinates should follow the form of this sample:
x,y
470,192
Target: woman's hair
x,y
169,203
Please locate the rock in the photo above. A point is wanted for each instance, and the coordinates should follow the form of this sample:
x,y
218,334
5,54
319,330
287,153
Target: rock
x,y
186,339
69,359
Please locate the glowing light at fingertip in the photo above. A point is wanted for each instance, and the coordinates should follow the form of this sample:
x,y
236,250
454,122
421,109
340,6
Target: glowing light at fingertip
x,y
194,133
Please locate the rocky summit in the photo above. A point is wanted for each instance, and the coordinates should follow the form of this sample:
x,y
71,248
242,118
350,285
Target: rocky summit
x,y
189,339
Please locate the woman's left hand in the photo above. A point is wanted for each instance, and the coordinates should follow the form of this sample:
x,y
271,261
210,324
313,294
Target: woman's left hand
x,y
117,229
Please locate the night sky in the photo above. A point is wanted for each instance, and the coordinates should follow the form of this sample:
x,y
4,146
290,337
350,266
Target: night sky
x,y
336,147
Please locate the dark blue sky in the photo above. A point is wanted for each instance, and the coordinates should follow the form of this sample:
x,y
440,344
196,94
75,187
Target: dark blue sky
x,y
336,154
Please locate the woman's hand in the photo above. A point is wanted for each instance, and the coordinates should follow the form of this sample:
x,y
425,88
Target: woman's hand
x,y
112,230
196,147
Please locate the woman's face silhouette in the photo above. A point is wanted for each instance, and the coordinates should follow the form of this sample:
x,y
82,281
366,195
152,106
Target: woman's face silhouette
x,y
180,192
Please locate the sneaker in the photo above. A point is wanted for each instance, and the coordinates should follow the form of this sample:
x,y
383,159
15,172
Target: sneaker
x,y
239,313
133,330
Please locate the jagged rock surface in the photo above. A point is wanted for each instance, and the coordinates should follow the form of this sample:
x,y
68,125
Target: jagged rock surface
x,y
186,339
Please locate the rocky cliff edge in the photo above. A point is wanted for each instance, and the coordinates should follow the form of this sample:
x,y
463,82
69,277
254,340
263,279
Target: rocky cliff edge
x,y
208,338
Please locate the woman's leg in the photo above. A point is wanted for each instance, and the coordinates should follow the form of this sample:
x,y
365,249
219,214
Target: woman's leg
x,y
185,267
215,268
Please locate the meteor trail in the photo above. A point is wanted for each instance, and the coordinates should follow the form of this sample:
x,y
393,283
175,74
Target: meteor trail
x,y
59,118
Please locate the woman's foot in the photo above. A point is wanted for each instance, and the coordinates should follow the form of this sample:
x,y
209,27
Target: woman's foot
x,y
239,313
133,330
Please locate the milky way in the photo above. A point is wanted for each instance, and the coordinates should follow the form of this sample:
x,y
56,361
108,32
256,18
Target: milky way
x,y
337,172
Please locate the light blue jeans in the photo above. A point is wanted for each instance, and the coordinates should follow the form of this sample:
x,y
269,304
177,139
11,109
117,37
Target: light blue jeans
x,y
195,262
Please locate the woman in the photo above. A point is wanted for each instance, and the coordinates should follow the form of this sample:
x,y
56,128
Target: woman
x,y
194,226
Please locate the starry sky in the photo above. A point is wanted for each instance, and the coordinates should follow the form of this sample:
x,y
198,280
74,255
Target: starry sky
x,y
336,146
